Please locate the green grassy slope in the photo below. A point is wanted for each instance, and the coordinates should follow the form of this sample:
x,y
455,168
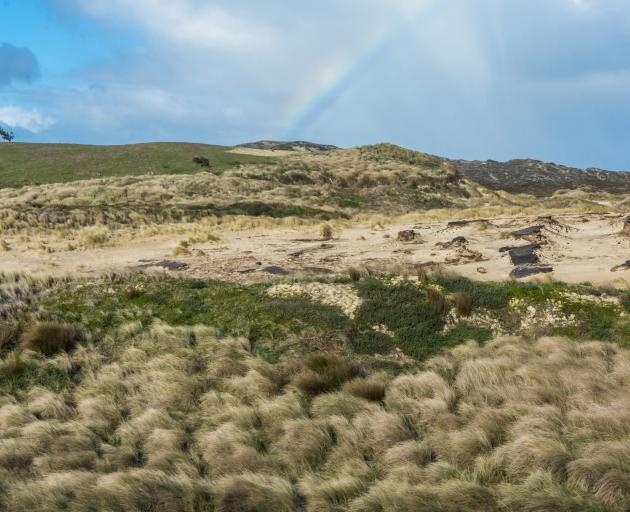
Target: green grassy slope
x,y
31,164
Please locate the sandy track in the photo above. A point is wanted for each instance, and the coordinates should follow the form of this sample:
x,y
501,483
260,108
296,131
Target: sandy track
x,y
583,248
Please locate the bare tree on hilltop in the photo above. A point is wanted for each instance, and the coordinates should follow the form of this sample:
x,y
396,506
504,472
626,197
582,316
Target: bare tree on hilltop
x,y
6,134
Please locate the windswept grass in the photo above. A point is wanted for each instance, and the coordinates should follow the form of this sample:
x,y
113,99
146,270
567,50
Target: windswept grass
x,y
182,419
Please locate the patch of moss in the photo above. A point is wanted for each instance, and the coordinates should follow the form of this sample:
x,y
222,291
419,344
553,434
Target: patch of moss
x,y
371,342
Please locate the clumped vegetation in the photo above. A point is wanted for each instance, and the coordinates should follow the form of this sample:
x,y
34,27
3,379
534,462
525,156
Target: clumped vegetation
x,y
463,303
323,373
6,135
49,338
201,161
326,232
384,152
156,417
125,192
136,393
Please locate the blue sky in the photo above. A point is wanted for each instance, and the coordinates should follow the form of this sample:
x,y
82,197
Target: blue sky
x,y
497,79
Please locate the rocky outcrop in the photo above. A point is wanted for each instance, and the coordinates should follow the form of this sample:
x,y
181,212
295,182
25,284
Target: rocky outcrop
x,y
540,178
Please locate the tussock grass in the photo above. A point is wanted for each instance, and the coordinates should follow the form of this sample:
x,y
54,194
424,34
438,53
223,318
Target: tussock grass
x,y
323,373
326,232
164,424
193,395
49,338
438,300
370,389
463,303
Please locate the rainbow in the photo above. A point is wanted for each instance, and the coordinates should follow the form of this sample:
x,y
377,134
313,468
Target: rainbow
x,y
311,107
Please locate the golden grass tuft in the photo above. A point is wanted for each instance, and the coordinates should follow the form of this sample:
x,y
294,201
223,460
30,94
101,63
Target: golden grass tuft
x,y
249,492
324,373
463,304
369,389
438,301
326,232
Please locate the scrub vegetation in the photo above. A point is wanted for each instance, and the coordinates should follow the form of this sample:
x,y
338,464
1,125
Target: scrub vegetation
x,y
144,393
147,190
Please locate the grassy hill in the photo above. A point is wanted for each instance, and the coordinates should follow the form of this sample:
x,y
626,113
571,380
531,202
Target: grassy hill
x,y
36,164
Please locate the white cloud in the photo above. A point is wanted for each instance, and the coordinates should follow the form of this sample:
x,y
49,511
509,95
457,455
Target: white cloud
x,y
32,120
187,22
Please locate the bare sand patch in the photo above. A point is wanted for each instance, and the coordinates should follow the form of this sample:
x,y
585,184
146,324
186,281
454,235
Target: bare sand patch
x,y
586,251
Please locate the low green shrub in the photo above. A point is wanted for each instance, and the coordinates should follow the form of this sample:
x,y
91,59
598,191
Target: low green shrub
x,y
403,309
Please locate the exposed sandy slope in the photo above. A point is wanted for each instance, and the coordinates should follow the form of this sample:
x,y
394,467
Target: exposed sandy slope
x,y
585,249
261,152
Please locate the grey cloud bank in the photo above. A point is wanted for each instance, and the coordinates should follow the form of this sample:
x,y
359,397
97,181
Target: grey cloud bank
x,y
17,64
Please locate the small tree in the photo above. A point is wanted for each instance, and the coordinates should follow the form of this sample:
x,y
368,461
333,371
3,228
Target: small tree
x,y
6,134
202,161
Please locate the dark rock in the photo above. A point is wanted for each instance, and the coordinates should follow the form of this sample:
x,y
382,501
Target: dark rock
x,y
167,264
458,241
623,266
530,247
317,270
531,230
457,223
276,271
522,256
529,270
462,223
407,235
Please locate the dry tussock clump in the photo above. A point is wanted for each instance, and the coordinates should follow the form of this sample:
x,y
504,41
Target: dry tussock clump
x,y
155,423
49,338
249,492
438,301
324,373
463,303
370,389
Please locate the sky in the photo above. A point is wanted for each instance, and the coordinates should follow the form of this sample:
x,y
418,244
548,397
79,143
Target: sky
x,y
474,79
